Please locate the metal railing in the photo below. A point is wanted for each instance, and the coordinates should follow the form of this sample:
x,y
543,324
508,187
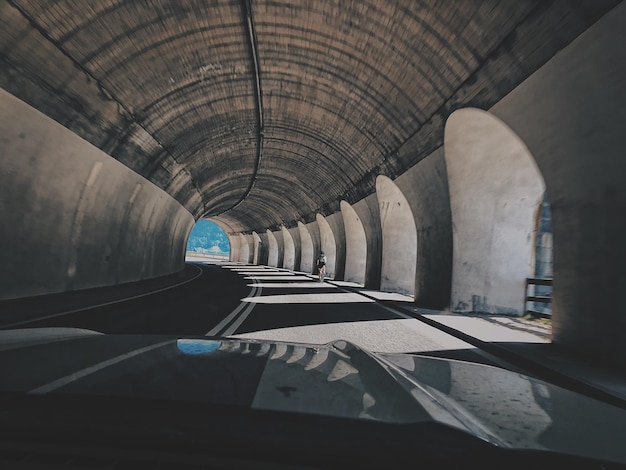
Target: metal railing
x,y
538,298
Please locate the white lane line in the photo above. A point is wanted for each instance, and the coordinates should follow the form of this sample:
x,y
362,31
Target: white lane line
x,y
237,316
95,368
81,309
245,306
230,316
232,328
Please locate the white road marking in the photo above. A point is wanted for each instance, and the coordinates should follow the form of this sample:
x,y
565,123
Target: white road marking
x,y
81,309
238,315
95,368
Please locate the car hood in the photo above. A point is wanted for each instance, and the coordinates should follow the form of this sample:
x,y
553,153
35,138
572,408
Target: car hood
x,y
338,379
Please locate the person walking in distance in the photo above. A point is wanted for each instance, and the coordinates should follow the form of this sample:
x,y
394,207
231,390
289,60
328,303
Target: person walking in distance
x,y
321,266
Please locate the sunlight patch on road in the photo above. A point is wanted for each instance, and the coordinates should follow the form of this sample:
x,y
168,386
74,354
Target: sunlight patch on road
x,y
291,285
262,277
348,284
265,273
315,298
394,336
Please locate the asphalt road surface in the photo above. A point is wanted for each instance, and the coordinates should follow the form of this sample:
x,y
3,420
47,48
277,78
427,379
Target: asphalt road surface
x,y
229,299
268,298
221,299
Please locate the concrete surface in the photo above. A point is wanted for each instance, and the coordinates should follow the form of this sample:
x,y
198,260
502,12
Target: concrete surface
x,y
570,114
73,217
356,245
341,109
399,238
495,194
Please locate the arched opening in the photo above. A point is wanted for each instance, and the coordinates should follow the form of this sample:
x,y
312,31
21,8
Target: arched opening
x,y
244,249
272,258
306,249
290,251
543,260
399,247
327,245
207,239
495,189
356,245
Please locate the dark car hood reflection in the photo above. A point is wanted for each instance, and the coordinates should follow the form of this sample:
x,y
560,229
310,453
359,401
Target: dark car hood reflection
x,y
337,379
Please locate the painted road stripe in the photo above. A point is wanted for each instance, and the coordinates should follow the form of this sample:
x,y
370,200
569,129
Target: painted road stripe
x,y
230,330
82,309
95,368
237,316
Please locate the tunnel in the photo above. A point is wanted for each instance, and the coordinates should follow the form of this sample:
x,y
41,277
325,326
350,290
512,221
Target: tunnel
x,y
413,143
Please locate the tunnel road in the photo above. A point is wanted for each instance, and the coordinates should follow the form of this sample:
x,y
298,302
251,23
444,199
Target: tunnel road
x,y
256,302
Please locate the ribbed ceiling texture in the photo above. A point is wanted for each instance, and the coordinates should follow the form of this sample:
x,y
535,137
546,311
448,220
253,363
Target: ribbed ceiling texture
x,y
263,113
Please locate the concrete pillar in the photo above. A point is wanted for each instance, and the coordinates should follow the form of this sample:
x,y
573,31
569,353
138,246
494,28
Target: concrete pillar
x,y
306,249
235,247
426,189
399,238
327,245
336,225
244,244
369,214
264,249
280,243
257,254
272,256
495,191
571,114
289,249
314,230
295,236
356,245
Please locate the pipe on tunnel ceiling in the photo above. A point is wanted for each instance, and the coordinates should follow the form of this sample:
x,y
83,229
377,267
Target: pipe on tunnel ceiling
x,y
246,7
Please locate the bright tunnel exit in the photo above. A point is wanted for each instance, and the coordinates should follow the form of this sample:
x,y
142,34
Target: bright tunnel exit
x,y
207,239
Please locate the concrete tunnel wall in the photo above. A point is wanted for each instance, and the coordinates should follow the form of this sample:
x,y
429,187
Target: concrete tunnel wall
x,y
335,222
328,245
235,247
313,230
399,238
306,249
280,243
369,213
244,249
571,115
257,253
289,259
567,119
294,232
425,187
75,218
272,257
495,193
356,245
263,248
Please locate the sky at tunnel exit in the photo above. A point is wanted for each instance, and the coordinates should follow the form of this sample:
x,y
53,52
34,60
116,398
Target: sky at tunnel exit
x,y
208,237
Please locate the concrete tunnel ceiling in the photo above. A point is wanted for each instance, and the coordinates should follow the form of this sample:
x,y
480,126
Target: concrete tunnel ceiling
x,y
264,113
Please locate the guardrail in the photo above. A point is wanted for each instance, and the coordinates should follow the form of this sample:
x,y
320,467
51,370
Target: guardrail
x,y
544,299
208,256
